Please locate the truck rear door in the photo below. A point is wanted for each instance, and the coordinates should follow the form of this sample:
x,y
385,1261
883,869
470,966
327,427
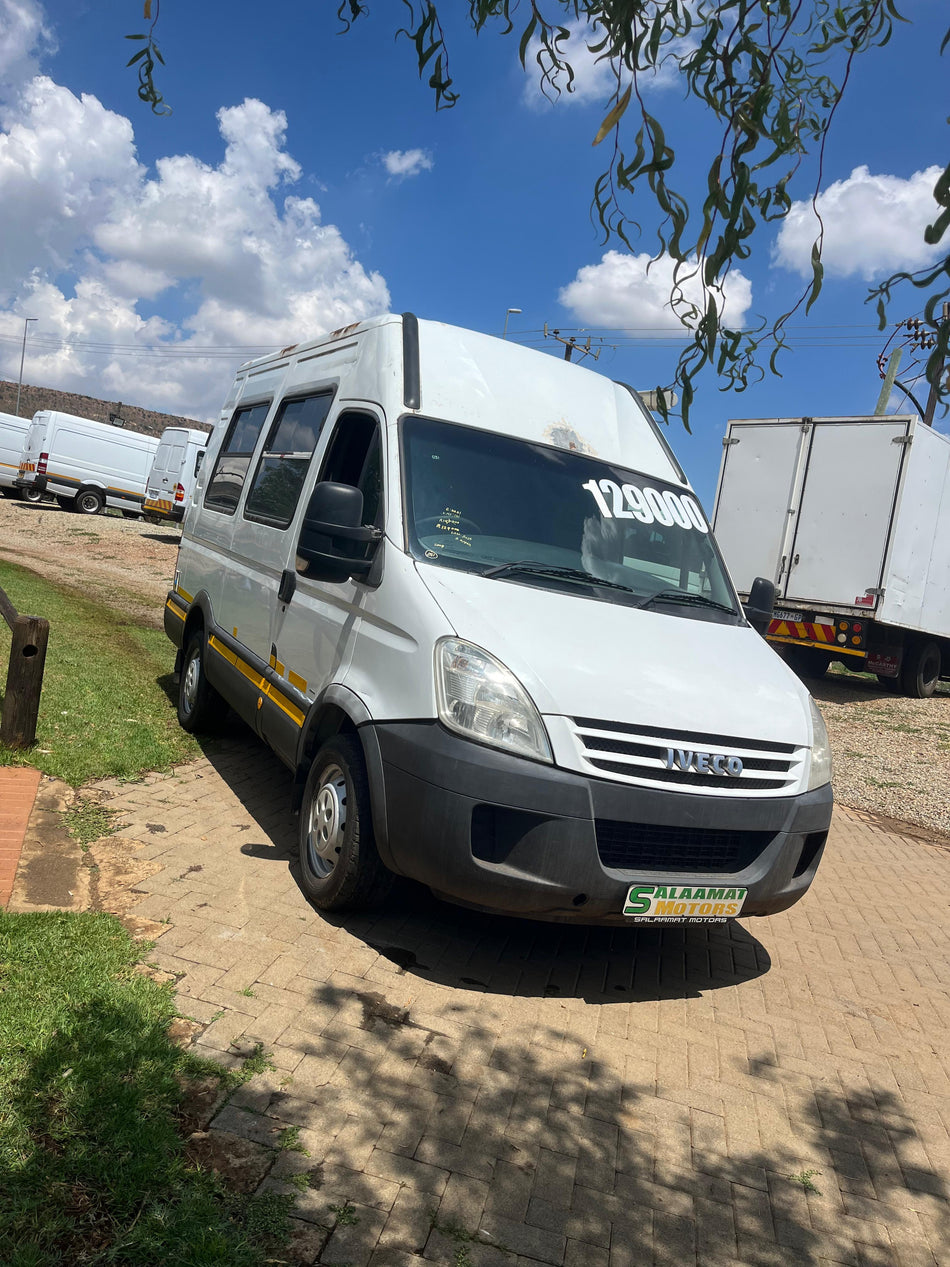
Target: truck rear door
x,y
755,498
852,471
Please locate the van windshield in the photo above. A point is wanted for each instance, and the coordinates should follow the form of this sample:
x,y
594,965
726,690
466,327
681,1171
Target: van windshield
x,y
555,518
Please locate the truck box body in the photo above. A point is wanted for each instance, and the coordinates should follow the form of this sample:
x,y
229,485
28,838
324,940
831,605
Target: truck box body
x,y
850,517
171,480
86,465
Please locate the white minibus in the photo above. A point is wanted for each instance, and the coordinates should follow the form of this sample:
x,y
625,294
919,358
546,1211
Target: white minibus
x,y
86,465
466,593
171,480
13,431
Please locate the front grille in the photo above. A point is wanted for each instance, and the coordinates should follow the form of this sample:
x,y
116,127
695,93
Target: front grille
x,y
642,756
693,850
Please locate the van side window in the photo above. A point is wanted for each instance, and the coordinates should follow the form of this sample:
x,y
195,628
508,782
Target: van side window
x,y
227,479
287,452
354,457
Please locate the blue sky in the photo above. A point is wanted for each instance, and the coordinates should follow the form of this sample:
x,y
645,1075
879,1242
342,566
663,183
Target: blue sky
x,y
304,180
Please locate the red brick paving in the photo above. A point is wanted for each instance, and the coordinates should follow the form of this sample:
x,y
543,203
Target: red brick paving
x,y
18,786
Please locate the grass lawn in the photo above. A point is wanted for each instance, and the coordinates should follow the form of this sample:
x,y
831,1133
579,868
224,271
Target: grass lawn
x,y
102,711
91,1168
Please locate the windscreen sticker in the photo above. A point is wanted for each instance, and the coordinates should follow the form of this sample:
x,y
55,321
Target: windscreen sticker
x,y
678,904
648,505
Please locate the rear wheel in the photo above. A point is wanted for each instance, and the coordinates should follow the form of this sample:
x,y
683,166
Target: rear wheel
x,y
920,669
31,495
200,707
89,501
808,661
340,868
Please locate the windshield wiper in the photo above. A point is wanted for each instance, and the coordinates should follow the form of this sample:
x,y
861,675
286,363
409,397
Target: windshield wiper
x,y
687,600
552,569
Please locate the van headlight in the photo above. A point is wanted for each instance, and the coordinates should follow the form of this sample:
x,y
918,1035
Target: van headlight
x,y
820,771
481,699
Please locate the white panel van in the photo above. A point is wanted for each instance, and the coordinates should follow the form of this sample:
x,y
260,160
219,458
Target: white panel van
x,y
86,465
13,431
465,591
171,480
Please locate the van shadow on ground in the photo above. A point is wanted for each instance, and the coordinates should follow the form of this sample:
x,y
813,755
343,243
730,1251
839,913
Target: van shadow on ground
x,y
475,952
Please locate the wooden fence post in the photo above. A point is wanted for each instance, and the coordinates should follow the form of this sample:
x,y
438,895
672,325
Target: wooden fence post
x,y
21,704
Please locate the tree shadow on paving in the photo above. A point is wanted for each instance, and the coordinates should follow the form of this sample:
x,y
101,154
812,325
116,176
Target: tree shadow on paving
x,y
418,1137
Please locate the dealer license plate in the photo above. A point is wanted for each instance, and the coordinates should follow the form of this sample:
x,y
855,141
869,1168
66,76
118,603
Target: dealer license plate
x,y
784,615
683,903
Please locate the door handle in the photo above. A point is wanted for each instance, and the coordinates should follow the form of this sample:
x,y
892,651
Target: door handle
x,y
288,583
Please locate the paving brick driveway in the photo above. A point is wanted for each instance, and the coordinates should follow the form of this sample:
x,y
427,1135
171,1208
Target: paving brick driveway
x,y
568,1096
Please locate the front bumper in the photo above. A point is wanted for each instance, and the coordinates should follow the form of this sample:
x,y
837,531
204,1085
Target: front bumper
x,y
501,833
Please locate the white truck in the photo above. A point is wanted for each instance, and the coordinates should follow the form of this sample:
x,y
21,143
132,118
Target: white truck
x,y
171,481
86,465
850,517
465,592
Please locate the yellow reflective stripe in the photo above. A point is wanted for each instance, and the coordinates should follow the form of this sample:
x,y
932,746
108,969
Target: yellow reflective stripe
x,y
172,608
265,687
296,680
189,598
822,646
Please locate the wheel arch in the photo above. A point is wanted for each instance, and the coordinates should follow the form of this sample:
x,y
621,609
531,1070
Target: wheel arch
x,y
338,710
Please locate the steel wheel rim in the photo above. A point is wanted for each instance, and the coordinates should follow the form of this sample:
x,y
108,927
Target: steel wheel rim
x,y
189,686
326,823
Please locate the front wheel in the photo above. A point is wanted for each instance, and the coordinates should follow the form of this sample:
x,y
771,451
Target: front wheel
x,y
200,707
340,868
920,669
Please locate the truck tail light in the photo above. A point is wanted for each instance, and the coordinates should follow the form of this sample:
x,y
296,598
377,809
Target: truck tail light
x,y
179,492
41,465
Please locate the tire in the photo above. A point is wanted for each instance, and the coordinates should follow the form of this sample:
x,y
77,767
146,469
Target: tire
x,y
32,495
340,868
920,669
64,503
808,661
89,501
200,708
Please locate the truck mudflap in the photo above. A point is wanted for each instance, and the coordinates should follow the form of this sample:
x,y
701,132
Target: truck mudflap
x,y
486,829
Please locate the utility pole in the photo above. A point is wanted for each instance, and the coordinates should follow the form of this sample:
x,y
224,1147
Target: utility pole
x,y
26,326
571,345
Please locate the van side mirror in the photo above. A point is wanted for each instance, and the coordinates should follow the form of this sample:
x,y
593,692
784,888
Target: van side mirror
x,y
333,536
758,609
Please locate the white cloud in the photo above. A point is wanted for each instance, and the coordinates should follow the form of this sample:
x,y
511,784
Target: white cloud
x,y
595,78
24,36
403,163
90,237
628,292
872,225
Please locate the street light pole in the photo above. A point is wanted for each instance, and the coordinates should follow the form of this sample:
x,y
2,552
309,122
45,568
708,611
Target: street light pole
x,y
26,326
504,333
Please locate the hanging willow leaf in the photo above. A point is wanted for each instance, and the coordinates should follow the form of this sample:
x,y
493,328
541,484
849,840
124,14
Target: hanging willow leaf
x,y
614,117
